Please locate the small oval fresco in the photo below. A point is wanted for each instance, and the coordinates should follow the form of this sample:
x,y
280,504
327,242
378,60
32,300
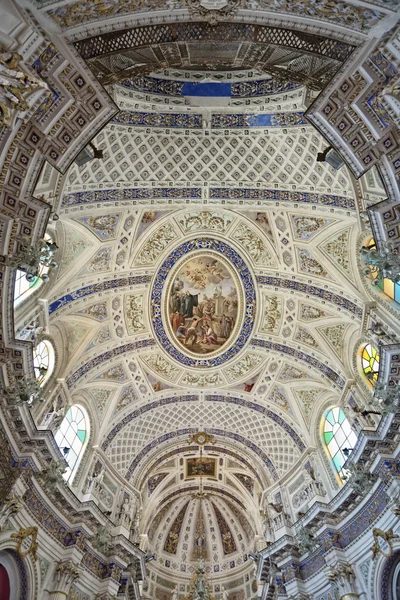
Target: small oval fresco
x,y
203,303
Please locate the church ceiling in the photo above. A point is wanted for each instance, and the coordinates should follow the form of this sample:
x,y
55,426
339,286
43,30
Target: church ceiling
x,y
207,281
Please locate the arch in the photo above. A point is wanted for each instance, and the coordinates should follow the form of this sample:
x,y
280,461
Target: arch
x,y
73,434
185,432
4,583
370,363
15,574
43,360
387,578
337,436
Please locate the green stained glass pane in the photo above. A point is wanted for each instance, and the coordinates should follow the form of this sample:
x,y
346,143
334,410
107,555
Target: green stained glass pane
x,y
328,435
341,416
69,415
81,435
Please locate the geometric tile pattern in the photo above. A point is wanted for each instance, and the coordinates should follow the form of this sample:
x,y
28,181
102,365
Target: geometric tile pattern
x,y
270,159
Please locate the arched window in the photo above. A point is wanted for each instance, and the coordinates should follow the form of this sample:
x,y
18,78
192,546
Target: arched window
x,y
386,285
370,363
338,435
72,437
43,360
23,288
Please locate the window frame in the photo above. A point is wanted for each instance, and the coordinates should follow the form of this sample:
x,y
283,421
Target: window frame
x,y
51,356
63,438
340,426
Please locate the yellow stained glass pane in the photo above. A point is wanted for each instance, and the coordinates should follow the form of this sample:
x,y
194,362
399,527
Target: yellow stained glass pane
x,y
388,287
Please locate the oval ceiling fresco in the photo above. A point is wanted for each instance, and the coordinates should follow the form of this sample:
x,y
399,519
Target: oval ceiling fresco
x,y
203,303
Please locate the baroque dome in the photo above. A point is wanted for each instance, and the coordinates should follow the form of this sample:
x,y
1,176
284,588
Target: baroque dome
x,y
204,336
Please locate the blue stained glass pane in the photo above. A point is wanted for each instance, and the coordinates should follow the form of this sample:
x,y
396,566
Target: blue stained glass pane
x,y
397,292
341,416
337,461
329,417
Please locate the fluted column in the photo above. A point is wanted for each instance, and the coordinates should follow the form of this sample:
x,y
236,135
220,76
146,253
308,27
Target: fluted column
x,y
65,573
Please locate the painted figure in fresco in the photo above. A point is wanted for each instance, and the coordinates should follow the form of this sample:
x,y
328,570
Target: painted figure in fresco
x,y
177,320
203,304
189,301
226,326
209,336
181,333
192,333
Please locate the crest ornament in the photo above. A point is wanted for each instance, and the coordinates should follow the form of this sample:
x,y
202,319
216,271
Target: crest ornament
x,y
21,536
386,536
213,11
201,438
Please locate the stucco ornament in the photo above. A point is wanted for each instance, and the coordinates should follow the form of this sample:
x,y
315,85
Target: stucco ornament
x,y
343,576
359,479
21,536
102,541
213,10
386,536
15,85
65,574
306,541
12,505
52,476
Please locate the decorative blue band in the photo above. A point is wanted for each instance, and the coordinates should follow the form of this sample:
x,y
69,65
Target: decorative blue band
x,y
298,286
264,411
239,193
98,360
243,121
194,398
278,282
118,195
94,288
173,120
314,362
249,294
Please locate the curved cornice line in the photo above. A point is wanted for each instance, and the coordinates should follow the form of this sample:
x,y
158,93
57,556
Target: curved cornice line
x,y
194,398
185,432
297,354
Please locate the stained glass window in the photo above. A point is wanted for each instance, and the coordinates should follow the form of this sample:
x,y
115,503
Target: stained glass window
x,y
71,438
338,435
23,288
386,285
370,363
43,360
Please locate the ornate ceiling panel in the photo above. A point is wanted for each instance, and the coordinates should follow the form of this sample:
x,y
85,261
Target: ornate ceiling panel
x,y
135,156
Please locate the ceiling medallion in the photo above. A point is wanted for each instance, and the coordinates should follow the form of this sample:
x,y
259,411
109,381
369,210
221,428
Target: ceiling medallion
x,y
201,438
213,11
203,303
